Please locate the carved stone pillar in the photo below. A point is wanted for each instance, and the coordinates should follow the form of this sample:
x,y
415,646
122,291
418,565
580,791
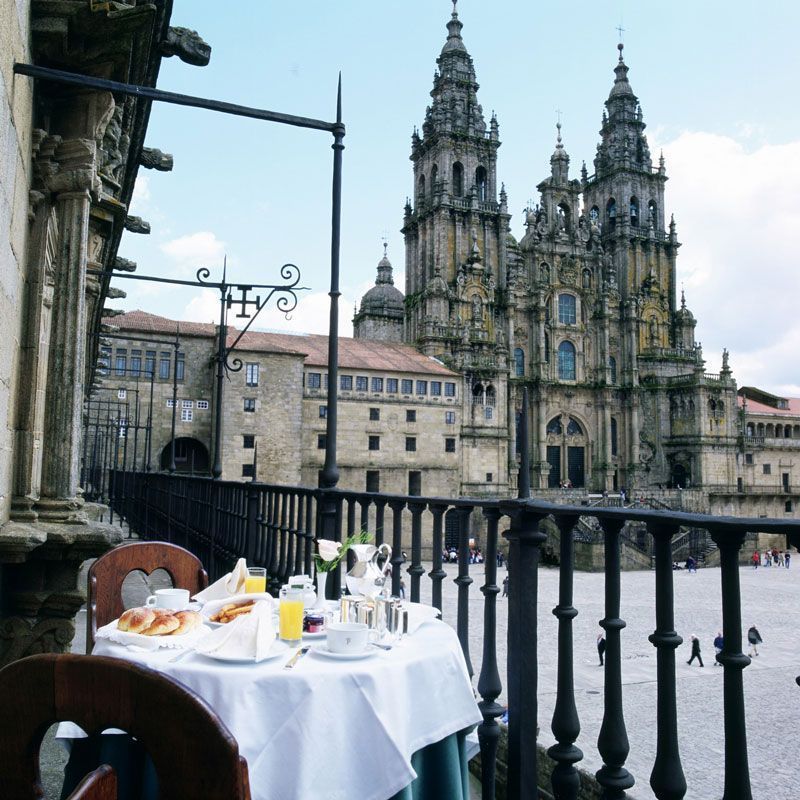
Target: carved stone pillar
x,y
64,404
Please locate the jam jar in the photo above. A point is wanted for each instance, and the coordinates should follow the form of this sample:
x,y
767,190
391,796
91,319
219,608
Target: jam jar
x,y
314,623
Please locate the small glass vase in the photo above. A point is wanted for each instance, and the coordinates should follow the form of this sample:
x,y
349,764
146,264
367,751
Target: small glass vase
x,y
322,581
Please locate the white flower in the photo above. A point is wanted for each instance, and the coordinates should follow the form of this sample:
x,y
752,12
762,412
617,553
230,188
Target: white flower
x,y
328,550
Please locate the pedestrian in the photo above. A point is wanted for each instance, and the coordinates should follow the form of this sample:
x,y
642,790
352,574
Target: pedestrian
x,y
695,651
402,588
505,586
754,637
691,564
786,558
718,644
601,647
756,559
767,559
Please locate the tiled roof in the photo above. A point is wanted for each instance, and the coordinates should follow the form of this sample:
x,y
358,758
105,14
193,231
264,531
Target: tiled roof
x,y
353,353
754,407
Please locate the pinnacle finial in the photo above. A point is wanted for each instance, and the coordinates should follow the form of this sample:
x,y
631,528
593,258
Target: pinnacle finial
x,y
455,8
683,298
559,143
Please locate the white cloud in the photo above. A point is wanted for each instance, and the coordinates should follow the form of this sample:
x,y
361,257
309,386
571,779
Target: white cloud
x,y
737,214
203,308
141,193
201,249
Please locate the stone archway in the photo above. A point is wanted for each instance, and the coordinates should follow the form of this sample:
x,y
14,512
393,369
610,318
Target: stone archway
x,y
190,456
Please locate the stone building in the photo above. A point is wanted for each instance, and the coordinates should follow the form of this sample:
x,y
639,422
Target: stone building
x,y
583,312
70,156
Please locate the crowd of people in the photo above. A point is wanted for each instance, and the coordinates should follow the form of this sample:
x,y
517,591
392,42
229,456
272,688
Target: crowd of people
x,y
753,639
769,558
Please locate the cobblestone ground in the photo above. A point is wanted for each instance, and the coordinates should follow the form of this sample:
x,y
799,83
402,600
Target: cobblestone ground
x,y
770,600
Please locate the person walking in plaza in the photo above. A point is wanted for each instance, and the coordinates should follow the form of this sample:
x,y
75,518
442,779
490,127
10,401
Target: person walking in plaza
x,y
756,559
505,586
754,637
691,564
718,644
696,651
601,647
787,558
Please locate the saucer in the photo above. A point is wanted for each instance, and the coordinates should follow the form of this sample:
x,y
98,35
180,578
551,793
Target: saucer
x,y
317,635
323,651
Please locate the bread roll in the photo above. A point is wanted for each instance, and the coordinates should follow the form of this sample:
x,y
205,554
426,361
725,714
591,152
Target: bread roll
x,y
162,625
136,620
188,620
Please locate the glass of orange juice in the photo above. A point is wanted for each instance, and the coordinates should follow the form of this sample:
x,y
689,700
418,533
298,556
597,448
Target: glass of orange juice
x,y
290,625
256,580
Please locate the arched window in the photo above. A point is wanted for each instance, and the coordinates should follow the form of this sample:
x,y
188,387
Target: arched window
x,y
421,189
770,433
566,361
480,183
751,429
547,348
788,432
491,396
594,214
574,427
519,362
614,446
634,208
563,216
554,426
566,309
611,212
612,364
434,178
652,210
458,180
478,397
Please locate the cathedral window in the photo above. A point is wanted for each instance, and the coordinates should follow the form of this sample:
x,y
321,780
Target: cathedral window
x,y
519,362
458,180
554,426
652,210
434,179
566,309
611,212
594,214
421,189
547,348
480,183
613,436
566,361
612,365
574,428
634,211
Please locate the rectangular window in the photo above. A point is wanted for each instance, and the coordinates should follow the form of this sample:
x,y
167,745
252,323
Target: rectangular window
x,y
377,384
449,389
785,479
121,362
436,388
325,381
251,375
391,385
414,483
567,309
767,469
346,383
323,412
170,403
104,362
374,443
247,470
122,394
248,441
374,414
123,428
249,404
322,441
202,405
422,387
450,417
373,480
488,412
787,507
180,366
361,383
449,445
164,367
314,380
489,477
406,386
187,415
411,415
411,444
149,363
748,458
187,403
136,363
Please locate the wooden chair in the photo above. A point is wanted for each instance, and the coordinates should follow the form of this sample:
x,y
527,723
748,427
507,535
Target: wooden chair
x,y
193,752
98,785
106,575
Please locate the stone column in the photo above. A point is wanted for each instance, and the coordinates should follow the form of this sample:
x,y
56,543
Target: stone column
x,y
62,427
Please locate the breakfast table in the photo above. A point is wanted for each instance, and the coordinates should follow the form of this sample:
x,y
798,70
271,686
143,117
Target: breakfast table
x,y
338,728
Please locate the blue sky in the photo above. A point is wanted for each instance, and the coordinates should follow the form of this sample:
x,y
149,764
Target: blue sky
x,y
717,82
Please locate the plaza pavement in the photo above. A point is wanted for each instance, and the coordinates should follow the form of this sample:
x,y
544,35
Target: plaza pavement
x,y
770,600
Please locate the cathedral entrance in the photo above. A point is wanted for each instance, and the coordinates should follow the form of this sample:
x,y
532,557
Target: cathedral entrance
x,y
679,476
575,474
554,460
566,452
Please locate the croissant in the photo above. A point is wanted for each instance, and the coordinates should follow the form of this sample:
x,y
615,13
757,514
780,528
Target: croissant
x,y
162,626
188,620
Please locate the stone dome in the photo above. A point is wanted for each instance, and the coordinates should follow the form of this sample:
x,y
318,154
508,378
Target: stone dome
x,y
384,297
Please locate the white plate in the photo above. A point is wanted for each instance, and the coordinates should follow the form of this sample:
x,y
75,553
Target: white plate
x,y
323,651
319,635
278,649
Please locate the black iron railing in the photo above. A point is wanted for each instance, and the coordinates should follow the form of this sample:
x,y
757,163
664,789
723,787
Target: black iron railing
x,y
275,527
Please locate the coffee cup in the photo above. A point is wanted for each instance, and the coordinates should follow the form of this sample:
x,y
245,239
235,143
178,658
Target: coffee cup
x,y
176,599
349,638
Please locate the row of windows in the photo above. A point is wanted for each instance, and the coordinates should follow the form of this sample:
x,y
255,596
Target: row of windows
x,y
457,185
411,415
633,212
374,443
202,405
318,380
136,367
373,481
566,362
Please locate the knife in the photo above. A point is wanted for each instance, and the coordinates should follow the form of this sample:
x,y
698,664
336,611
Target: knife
x,y
296,657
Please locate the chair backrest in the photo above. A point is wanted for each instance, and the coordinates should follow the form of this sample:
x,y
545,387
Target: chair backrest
x,y
104,597
98,785
194,754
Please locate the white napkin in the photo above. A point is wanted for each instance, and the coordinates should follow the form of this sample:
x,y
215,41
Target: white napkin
x,y
419,614
227,585
250,636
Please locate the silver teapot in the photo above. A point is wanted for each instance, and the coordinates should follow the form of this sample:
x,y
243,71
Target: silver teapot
x,y
366,577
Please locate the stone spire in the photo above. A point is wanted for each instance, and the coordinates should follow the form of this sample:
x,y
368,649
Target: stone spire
x,y
380,317
384,269
559,161
624,143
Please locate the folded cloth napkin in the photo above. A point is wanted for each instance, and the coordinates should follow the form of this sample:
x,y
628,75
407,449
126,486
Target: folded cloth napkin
x,y
227,585
248,637
419,614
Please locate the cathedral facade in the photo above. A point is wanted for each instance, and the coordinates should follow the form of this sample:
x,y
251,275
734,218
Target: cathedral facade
x,y
583,312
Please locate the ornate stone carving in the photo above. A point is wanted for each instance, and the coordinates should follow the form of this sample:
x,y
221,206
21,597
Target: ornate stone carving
x,y
188,45
124,264
136,225
152,158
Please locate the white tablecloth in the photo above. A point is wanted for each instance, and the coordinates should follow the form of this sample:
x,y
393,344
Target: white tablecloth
x,y
331,730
